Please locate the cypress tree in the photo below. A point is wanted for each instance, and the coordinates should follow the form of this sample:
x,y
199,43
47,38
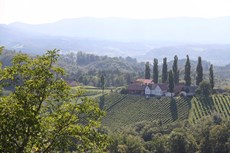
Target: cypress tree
x,y
171,82
211,76
175,70
155,70
102,83
164,70
147,71
199,72
187,72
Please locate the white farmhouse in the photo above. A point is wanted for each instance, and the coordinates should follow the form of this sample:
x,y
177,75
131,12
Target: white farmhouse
x,y
156,89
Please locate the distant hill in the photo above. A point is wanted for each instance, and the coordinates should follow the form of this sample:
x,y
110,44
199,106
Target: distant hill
x,y
143,39
214,53
187,30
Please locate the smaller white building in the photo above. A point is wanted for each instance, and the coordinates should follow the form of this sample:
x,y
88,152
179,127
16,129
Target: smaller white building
x,y
156,89
147,91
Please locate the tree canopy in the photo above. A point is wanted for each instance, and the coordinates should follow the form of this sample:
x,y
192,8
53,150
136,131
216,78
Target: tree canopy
x,y
171,82
147,71
41,114
199,72
164,70
211,76
155,70
204,88
187,72
175,70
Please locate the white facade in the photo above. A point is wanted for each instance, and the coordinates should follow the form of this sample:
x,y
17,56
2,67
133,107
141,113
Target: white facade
x,y
147,90
157,91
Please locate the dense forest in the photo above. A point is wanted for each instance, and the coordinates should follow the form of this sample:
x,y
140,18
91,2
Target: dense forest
x,y
209,135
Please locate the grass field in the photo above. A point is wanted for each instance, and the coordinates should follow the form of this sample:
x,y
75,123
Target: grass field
x,y
94,92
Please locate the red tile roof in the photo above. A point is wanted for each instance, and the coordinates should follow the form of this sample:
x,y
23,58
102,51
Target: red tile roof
x,y
144,81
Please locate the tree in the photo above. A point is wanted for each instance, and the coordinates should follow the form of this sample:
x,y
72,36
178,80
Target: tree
x,y
199,72
42,114
102,98
181,142
147,71
171,82
155,70
102,83
211,76
204,88
1,48
187,72
164,71
175,70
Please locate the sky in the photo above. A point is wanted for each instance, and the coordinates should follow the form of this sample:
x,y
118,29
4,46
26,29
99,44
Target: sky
x,y
46,11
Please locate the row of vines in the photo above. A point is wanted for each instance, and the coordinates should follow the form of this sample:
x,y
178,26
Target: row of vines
x,y
124,110
203,106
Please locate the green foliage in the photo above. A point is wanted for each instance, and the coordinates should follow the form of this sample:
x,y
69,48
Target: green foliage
x,y
171,82
180,141
164,71
126,144
187,72
1,48
199,72
155,70
175,70
102,82
203,106
123,110
211,76
86,69
41,114
180,137
150,123
212,137
204,88
147,70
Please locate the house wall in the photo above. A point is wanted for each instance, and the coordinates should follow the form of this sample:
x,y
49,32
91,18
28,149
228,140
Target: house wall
x,y
157,91
147,90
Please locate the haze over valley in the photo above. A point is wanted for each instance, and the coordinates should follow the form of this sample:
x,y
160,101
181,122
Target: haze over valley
x,y
143,39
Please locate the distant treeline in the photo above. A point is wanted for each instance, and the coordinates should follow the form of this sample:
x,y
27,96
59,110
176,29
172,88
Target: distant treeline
x,y
86,69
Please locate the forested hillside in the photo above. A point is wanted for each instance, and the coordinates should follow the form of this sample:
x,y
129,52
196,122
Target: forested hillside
x,y
86,69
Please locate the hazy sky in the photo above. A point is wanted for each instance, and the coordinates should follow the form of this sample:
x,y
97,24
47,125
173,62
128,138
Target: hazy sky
x,y
43,11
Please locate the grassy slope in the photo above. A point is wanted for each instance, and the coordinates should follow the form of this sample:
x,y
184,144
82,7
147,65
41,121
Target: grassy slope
x,y
124,110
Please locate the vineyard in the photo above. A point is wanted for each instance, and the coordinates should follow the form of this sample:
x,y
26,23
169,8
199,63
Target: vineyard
x,y
203,106
123,110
